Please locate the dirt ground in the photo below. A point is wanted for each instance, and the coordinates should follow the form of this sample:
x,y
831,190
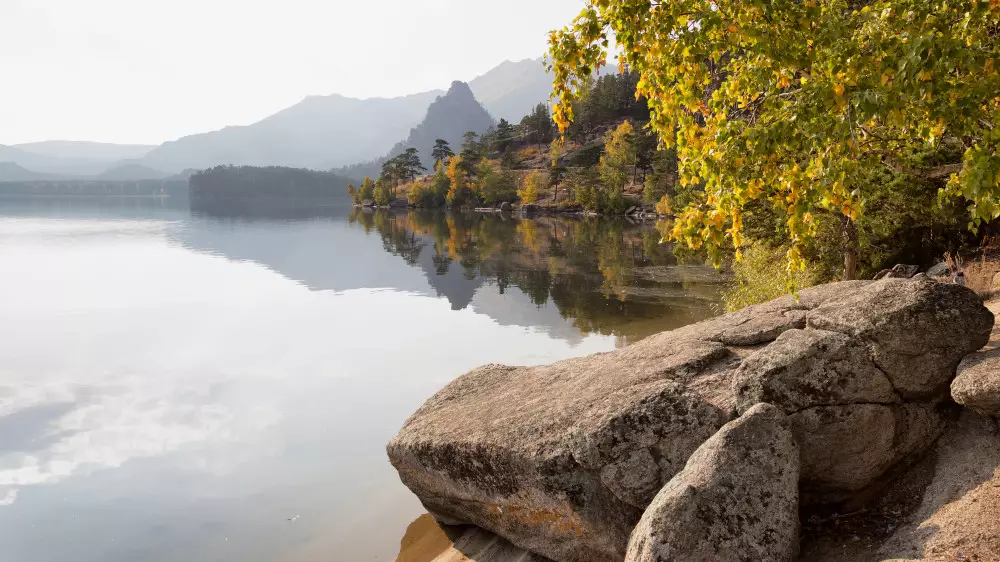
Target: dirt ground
x,y
946,507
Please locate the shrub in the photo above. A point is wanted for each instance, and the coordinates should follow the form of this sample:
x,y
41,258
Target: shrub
x,y
762,276
979,274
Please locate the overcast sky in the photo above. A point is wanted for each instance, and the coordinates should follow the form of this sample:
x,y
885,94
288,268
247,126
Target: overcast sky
x,y
146,71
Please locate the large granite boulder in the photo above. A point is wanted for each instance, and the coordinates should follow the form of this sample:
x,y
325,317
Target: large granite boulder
x,y
560,459
916,331
977,385
847,448
563,459
736,500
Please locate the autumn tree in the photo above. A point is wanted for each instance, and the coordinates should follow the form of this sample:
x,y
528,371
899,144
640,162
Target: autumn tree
x,y
492,185
441,152
441,182
796,106
384,193
458,189
367,190
533,184
613,167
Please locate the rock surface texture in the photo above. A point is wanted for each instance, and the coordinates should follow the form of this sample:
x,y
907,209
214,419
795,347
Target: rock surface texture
x,y
977,386
563,459
736,500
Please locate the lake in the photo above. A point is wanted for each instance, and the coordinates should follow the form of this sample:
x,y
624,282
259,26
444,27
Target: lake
x,y
219,386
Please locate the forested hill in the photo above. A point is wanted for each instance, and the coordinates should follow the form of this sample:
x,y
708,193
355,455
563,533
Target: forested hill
x,y
448,118
271,182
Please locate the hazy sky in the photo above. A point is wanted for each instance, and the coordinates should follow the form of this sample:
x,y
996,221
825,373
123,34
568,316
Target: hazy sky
x,y
146,71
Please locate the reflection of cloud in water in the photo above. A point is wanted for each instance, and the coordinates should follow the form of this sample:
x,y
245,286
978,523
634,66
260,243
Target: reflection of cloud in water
x,y
41,231
9,497
112,423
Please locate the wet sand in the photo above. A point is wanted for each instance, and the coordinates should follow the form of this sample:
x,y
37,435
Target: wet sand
x,y
426,541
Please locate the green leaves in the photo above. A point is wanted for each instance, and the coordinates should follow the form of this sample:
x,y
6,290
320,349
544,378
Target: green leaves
x,y
792,102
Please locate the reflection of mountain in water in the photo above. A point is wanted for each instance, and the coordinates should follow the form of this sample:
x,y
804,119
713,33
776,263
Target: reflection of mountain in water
x,y
566,277
320,253
605,276
514,307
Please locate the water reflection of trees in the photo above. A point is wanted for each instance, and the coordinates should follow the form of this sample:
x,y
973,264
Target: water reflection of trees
x,y
608,275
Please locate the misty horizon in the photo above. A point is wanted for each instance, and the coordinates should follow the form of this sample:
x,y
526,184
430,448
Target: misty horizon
x,y
439,91
99,72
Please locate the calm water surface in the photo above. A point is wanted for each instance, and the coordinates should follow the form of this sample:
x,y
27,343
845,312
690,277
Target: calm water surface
x,y
177,386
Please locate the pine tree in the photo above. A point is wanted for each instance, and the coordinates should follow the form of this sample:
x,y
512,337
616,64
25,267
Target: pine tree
x,y
505,135
441,152
537,126
471,152
410,165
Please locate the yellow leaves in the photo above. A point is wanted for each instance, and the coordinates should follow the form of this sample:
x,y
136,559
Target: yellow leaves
x,y
857,60
716,220
664,206
838,95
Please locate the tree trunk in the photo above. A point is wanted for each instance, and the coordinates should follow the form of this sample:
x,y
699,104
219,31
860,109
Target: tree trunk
x,y
850,234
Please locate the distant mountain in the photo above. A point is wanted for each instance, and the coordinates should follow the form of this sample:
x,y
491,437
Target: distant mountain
x,y
22,158
512,89
44,158
11,171
320,132
448,118
19,164
83,150
130,172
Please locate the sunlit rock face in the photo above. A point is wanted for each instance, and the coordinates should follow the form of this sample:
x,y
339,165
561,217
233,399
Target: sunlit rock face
x,y
563,459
